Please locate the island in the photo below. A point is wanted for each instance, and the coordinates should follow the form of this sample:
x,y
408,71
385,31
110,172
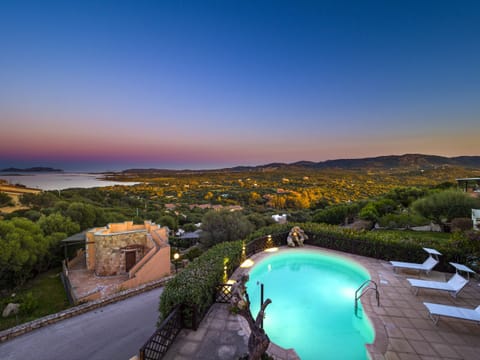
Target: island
x,y
32,169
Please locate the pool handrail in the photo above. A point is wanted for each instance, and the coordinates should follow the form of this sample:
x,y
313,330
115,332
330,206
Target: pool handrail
x,y
363,289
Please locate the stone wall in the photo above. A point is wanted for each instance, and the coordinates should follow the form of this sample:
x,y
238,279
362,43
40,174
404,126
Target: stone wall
x,y
106,247
90,247
110,249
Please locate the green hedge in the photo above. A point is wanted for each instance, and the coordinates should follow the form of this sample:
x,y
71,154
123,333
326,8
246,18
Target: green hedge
x,y
195,285
385,245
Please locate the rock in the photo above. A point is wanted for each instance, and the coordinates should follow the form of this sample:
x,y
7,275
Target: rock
x,y
11,309
296,237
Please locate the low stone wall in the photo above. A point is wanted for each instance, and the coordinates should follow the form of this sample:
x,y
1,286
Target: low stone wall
x,y
77,310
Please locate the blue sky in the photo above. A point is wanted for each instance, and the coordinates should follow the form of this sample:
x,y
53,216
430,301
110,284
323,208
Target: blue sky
x,y
203,84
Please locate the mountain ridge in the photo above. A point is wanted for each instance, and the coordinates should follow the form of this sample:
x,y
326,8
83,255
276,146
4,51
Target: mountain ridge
x,y
412,161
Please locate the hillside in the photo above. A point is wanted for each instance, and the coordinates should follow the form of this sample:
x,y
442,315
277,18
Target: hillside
x,y
389,162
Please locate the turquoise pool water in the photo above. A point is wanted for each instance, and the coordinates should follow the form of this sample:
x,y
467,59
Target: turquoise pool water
x,y
312,309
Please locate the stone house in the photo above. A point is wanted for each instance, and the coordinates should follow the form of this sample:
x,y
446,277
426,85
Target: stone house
x,y
122,248
116,257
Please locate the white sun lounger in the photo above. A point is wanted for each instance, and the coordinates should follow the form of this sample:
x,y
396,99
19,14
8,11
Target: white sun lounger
x,y
437,310
453,286
426,266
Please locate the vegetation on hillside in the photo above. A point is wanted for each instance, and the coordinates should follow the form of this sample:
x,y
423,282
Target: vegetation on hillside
x,y
234,205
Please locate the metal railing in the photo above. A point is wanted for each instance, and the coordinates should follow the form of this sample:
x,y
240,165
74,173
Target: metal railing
x,y
224,293
364,289
160,341
265,242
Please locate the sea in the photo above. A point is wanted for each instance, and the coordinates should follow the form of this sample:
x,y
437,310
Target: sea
x,y
61,180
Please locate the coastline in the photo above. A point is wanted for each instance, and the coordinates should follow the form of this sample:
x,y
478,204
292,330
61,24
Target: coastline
x,y
62,180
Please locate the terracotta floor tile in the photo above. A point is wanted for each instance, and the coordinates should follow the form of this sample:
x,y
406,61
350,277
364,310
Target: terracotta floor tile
x,y
468,353
393,311
445,350
403,322
452,338
391,355
394,332
412,334
431,335
411,313
402,304
408,356
422,347
421,324
386,302
400,345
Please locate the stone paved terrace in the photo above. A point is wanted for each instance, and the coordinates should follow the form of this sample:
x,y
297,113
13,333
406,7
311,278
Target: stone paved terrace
x,y
85,282
403,328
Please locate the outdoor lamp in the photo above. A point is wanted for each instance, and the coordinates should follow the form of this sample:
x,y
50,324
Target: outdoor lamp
x,y
176,256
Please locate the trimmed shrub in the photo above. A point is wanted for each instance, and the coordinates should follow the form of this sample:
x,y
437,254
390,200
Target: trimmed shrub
x,y
28,304
395,221
195,286
193,253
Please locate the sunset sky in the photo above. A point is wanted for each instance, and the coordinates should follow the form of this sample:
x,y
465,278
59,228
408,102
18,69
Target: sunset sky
x,y
109,85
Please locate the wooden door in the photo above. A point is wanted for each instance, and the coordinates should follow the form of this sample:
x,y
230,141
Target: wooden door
x,y
129,260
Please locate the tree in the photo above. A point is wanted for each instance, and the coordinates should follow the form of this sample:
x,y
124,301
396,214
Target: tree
x,y
442,207
255,198
44,199
5,200
57,223
300,216
372,211
189,227
405,196
168,221
258,340
22,250
259,220
220,226
83,214
369,212
33,215
337,214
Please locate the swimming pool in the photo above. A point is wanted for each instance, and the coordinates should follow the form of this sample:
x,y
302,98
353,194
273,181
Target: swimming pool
x,y
312,309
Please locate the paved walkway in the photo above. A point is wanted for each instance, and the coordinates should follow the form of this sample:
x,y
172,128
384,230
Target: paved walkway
x,y
85,282
219,336
402,326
